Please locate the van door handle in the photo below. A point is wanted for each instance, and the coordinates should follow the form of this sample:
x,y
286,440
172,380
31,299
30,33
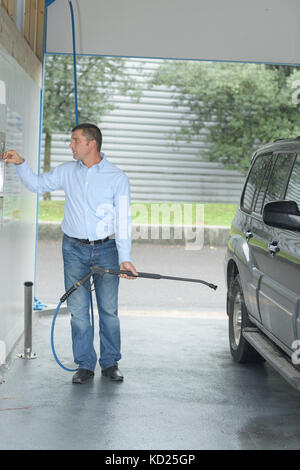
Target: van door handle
x,y
273,248
248,235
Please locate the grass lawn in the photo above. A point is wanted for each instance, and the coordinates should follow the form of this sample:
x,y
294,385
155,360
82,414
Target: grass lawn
x,y
219,214
214,214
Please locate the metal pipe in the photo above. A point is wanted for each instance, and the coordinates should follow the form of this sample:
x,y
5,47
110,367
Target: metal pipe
x,y
28,354
28,318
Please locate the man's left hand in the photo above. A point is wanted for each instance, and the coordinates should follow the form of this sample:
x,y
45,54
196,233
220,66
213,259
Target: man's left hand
x,y
128,266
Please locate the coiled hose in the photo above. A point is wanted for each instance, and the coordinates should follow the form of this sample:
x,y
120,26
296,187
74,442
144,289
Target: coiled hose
x,y
52,333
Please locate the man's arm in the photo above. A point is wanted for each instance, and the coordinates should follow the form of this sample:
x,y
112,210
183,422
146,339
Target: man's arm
x,y
123,227
43,183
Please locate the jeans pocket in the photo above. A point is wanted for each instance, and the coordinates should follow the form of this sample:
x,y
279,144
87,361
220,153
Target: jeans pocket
x,y
68,246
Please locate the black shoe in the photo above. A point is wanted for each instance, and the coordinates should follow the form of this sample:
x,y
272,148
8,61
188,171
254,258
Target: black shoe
x,y
82,376
113,373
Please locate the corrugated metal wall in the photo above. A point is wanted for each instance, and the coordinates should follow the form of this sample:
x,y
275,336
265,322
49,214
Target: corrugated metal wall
x,y
136,138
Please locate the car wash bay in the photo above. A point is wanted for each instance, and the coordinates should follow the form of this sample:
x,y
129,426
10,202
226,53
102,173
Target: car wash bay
x,y
181,388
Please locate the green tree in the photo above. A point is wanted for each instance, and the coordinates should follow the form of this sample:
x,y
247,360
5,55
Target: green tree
x,y
240,106
97,80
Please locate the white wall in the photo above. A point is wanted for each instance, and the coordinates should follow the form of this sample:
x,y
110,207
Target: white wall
x,y
20,122
236,30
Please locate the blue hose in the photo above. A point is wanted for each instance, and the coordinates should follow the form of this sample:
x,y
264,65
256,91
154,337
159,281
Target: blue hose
x,y
74,61
52,333
76,118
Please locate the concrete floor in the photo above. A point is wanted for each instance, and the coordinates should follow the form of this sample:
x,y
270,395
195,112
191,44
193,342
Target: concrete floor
x,y
181,388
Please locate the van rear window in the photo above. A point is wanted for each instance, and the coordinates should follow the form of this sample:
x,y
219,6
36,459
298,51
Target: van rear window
x,y
293,189
255,179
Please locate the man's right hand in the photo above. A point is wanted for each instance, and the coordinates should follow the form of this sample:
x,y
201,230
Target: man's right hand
x,y
11,156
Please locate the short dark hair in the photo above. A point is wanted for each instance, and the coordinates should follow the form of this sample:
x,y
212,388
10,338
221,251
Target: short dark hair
x,y
91,132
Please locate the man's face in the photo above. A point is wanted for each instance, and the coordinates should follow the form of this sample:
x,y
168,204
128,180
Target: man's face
x,y
80,145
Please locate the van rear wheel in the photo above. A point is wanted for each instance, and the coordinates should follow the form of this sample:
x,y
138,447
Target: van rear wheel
x,y
240,349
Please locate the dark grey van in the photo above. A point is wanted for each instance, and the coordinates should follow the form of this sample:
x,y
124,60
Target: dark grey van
x,y
262,263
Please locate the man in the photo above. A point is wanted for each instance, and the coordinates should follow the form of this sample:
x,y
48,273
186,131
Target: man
x,y
96,229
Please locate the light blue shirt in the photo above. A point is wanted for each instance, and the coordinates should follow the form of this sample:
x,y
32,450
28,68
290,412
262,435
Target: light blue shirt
x,y
97,200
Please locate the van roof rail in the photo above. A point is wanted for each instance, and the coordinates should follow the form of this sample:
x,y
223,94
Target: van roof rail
x,y
295,138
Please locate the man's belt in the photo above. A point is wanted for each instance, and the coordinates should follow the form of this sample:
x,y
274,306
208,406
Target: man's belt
x,y
93,242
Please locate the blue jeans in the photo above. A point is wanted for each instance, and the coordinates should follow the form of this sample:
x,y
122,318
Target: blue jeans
x,y
78,260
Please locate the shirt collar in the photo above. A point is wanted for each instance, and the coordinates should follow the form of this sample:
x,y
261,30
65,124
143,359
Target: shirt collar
x,y
97,166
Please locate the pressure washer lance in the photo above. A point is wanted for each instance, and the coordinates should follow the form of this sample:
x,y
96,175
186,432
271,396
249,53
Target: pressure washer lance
x,y
101,271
